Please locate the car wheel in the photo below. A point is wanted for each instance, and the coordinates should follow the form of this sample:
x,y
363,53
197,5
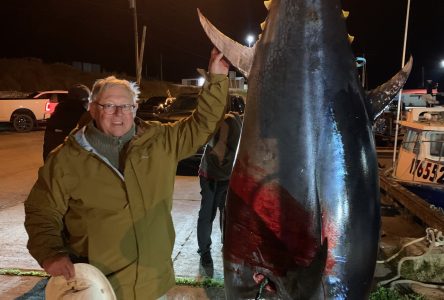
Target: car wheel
x,y
23,123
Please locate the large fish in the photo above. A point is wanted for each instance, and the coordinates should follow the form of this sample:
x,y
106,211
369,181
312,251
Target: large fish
x,y
302,212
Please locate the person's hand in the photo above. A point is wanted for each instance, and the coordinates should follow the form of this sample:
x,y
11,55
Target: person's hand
x,y
259,279
59,265
218,65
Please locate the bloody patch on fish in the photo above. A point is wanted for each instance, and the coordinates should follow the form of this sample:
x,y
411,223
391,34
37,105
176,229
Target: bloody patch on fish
x,y
330,232
266,226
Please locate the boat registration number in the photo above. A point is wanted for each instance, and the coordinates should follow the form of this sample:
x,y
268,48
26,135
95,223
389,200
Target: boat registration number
x,y
427,170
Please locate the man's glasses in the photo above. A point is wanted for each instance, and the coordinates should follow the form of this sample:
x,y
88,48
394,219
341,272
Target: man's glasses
x,y
110,109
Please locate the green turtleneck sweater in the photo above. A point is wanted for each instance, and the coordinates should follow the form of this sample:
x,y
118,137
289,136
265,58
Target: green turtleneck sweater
x,y
109,146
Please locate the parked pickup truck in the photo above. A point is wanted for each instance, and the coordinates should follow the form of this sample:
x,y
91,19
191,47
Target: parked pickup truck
x,y
25,113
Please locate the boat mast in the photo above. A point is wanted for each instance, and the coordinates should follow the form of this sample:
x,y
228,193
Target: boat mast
x,y
400,92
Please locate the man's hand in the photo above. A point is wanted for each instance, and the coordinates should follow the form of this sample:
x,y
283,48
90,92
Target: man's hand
x,y
218,65
59,265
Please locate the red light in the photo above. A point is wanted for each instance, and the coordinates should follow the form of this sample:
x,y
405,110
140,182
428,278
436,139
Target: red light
x,y
50,107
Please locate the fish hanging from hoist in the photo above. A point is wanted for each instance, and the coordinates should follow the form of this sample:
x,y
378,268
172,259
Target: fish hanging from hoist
x,y
302,211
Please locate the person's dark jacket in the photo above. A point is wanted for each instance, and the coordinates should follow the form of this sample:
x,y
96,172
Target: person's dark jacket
x,y
64,119
218,159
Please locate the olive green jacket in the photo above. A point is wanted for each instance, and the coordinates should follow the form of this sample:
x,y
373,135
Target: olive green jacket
x,y
82,205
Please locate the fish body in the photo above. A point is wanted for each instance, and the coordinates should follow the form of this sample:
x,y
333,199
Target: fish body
x,y
302,209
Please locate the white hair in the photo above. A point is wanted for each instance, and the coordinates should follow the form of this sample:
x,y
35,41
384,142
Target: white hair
x,y
103,84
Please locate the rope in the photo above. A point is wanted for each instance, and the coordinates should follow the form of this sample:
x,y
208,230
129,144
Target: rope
x,y
261,288
435,239
202,283
397,253
427,285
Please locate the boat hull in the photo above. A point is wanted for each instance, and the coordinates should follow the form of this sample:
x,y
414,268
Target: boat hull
x,y
433,195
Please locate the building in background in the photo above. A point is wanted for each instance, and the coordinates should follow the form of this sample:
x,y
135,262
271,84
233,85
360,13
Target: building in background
x,y
234,81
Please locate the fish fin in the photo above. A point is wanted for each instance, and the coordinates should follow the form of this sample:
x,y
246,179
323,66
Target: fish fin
x,y
350,38
240,56
384,94
309,281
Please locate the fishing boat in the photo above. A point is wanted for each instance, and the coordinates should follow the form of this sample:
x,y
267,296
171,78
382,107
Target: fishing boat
x,y
420,163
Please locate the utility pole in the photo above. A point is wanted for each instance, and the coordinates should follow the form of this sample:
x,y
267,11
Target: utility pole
x,y
362,62
132,4
406,29
364,73
142,50
161,67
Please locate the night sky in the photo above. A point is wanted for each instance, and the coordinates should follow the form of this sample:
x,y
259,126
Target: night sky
x,y
101,32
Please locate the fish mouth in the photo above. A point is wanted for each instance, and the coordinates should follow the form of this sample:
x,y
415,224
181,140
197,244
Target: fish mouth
x,y
264,284
245,282
251,281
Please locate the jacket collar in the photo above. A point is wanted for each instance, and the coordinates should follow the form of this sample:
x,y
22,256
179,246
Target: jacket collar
x,y
80,138
146,132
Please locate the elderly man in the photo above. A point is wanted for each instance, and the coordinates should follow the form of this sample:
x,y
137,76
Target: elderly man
x,y
105,196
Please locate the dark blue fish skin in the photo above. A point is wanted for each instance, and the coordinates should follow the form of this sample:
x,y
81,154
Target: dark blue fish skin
x,y
308,132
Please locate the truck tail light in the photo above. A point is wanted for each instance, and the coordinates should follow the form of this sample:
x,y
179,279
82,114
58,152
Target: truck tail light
x,y
50,107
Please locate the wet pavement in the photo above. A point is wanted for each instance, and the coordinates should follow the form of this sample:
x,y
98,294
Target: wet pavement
x,y
20,157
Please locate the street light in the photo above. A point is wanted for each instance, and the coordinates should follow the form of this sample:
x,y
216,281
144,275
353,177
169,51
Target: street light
x,y
250,39
362,62
442,63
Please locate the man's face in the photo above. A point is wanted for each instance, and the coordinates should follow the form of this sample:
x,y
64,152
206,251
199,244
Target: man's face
x,y
118,122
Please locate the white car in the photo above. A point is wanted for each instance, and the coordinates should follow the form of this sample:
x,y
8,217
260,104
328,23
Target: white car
x,y
25,113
